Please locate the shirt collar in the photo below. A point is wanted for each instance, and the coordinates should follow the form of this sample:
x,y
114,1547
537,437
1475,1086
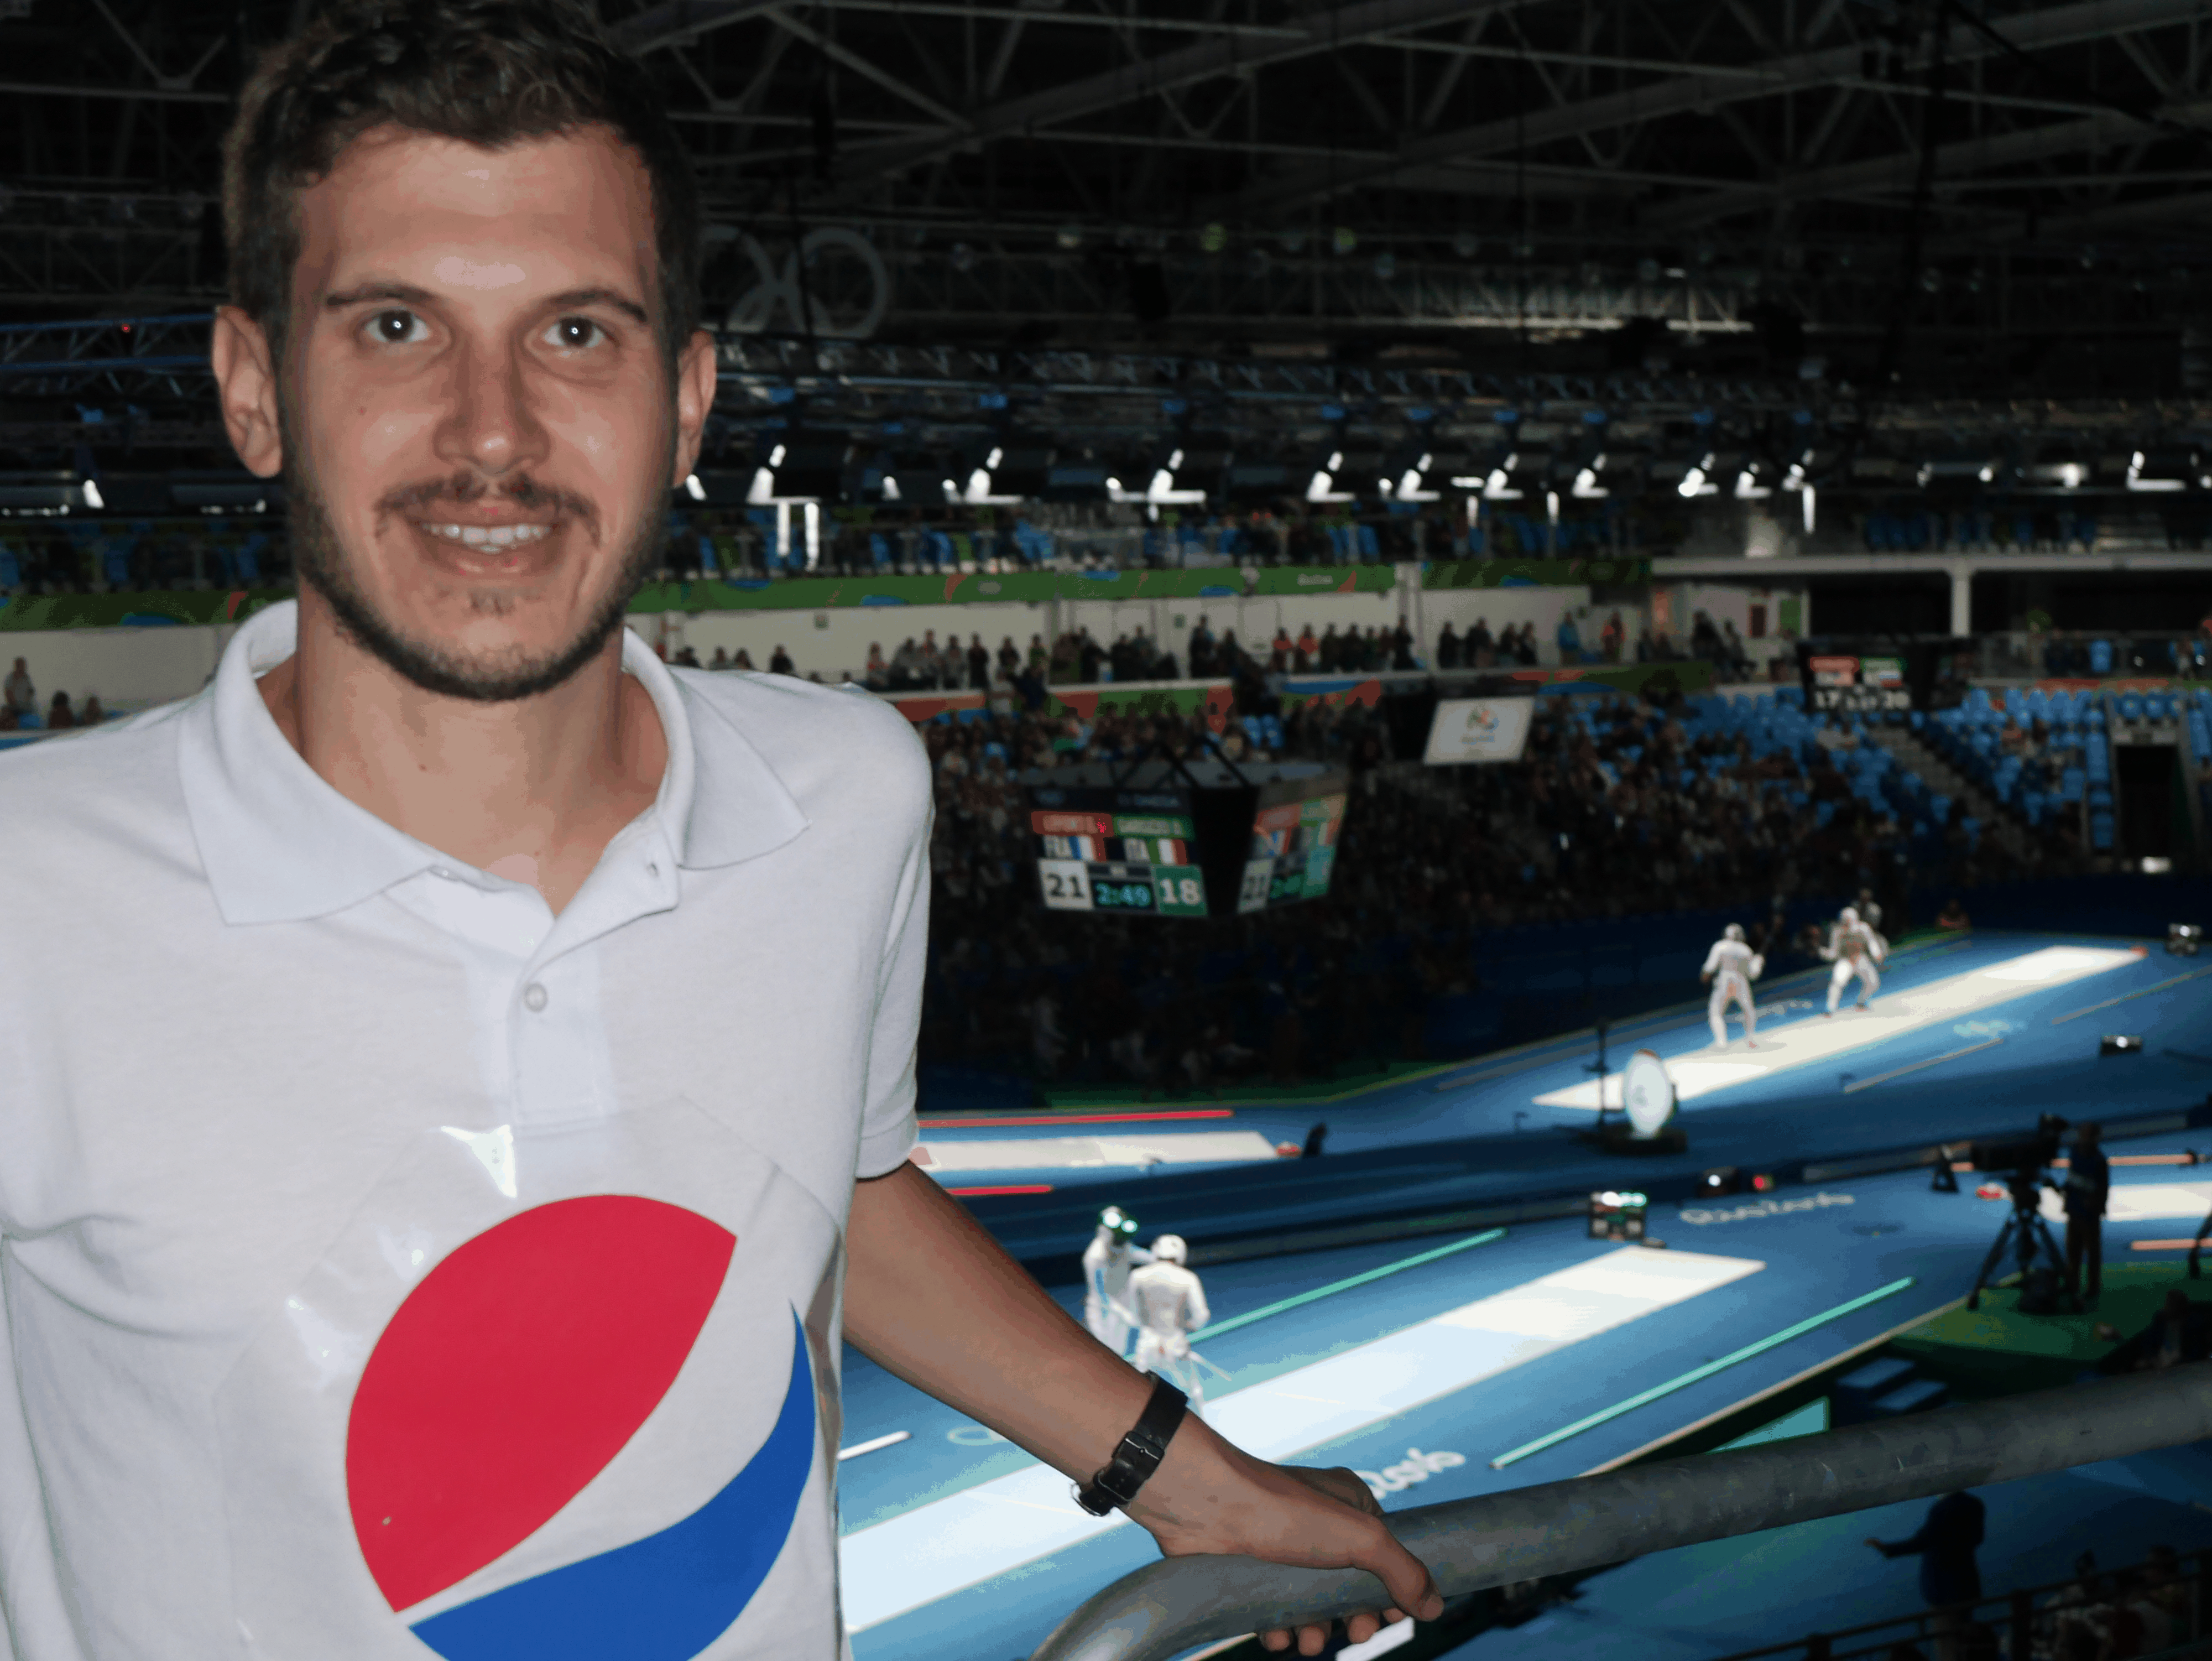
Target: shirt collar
x,y
280,844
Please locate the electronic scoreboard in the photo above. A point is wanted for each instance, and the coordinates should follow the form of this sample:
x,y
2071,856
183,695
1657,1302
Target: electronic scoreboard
x,y
1184,840
1136,853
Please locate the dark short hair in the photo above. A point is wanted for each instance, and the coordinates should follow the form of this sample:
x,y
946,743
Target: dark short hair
x,y
486,72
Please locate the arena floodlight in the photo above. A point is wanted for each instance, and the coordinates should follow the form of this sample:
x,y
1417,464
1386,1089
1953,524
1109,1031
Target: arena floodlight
x,y
2184,939
692,487
92,496
2165,471
2120,1044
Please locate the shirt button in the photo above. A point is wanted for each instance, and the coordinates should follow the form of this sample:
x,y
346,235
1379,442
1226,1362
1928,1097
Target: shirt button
x,y
533,997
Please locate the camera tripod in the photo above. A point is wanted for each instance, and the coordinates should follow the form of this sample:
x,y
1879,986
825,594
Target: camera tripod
x,y
2024,1231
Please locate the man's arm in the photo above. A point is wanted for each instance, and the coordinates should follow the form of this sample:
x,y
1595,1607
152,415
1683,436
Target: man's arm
x,y
932,1298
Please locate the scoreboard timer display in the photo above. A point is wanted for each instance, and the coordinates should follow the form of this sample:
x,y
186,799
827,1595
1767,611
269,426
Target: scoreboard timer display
x,y
1127,862
1190,838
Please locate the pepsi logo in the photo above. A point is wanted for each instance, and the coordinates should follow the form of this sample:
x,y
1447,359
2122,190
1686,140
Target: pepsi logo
x,y
511,1377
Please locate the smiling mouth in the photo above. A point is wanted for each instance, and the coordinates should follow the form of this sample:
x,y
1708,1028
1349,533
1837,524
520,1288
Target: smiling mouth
x,y
489,538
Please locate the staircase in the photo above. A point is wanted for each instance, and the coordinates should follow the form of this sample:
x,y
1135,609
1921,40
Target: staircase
x,y
1998,823
1886,1389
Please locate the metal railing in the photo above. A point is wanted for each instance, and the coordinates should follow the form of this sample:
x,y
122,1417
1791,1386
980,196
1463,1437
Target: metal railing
x,y
1556,1528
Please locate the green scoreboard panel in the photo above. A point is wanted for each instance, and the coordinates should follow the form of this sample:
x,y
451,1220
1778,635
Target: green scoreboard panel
x,y
1293,852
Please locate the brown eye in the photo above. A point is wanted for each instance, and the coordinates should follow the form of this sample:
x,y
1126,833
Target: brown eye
x,y
397,328
574,334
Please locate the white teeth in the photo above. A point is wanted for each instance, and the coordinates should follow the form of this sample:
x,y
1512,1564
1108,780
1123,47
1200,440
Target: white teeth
x,y
489,536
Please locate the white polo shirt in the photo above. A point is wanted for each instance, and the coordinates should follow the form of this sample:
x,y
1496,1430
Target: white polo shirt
x,y
390,1267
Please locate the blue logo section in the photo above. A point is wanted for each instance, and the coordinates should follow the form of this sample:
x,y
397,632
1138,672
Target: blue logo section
x,y
664,1597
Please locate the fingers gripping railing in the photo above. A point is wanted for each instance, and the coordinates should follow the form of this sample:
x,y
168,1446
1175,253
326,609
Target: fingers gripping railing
x,y
1495,1539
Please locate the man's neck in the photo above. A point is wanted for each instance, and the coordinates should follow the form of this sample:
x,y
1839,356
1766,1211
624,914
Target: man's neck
x,y
532,790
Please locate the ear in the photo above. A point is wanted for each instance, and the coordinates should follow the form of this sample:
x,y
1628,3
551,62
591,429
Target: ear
x,y
695,401
245,382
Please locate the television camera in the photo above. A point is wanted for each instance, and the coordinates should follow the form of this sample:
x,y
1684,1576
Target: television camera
x,y
2024,1164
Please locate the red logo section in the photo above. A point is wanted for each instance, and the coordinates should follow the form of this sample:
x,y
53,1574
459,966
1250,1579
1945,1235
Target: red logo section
x,y
513,1372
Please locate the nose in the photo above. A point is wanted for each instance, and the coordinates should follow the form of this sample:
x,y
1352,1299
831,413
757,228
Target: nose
x,y
490,426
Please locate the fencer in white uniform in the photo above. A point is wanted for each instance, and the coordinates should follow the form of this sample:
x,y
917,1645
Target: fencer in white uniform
x,y
1855,949
1732,966
1108,1261
1169,1304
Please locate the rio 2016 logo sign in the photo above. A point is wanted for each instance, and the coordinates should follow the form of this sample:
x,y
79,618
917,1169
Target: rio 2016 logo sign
x,y
833,285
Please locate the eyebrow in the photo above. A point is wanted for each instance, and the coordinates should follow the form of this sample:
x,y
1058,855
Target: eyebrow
x,y
408,294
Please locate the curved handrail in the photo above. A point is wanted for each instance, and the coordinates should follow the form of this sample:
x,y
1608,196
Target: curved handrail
x,y
1555,1528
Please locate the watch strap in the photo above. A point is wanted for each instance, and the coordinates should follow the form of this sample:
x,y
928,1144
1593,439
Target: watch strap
x,y
1139,1455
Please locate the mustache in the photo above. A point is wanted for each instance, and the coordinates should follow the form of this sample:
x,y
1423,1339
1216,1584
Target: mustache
x,y
464,490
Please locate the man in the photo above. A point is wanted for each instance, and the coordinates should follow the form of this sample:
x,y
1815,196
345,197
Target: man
x,y
1730,968
1169,1304
979,665
2088,1184
1855,949
21,695
1948,1574
2179,1333
1107,1263
435,1263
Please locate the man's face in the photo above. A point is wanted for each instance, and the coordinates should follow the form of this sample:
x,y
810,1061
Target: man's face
x,y
478,421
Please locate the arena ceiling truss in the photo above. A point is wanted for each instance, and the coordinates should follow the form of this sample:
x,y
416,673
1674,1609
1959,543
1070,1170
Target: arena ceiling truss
x,y
1987,196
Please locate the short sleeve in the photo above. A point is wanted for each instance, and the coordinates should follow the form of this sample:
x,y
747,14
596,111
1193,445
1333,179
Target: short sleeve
x,y
888,1127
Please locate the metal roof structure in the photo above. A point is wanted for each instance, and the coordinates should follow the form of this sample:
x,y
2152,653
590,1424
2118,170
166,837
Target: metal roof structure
x,y
1918,210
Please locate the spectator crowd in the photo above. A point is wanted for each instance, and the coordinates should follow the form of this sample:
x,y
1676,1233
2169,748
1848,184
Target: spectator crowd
x,y
19,711
1619,809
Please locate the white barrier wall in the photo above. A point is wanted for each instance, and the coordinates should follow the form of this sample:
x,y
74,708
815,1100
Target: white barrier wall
x,y
1504,608
127,668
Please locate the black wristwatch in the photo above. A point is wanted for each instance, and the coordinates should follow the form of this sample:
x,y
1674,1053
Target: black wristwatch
x,y
1139,1453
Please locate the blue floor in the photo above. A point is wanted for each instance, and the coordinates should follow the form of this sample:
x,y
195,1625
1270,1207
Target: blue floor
x,y
1723,1597
1474,1134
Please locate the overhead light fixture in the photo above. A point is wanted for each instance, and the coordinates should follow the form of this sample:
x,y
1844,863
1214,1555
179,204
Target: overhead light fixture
x,y
692,487
1586,487
1748,489
776,457
2138,479
762,491
1323,486
92,496
1809,510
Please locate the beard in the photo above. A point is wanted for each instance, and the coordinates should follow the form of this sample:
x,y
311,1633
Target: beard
x,y
499,675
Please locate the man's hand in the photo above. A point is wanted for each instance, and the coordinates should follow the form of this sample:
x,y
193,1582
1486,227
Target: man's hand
x,y
932,1298
1210,1496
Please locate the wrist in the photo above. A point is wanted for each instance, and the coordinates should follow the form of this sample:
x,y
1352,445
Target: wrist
x,y
1138,1455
